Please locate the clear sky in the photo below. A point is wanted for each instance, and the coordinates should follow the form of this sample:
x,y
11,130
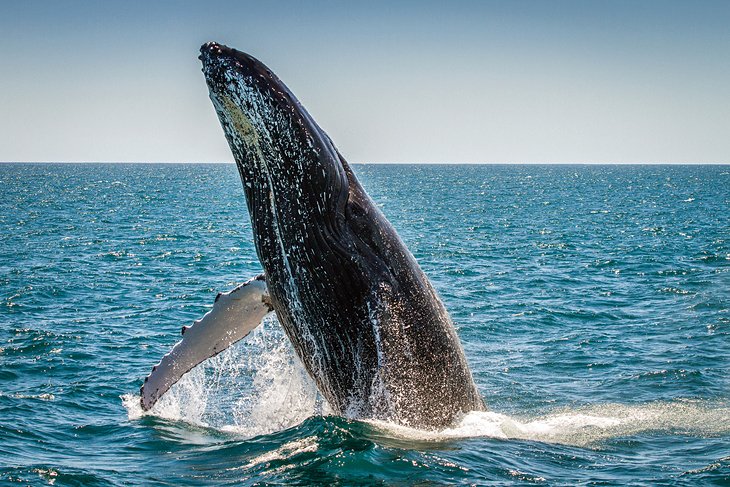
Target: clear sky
x,y
485,81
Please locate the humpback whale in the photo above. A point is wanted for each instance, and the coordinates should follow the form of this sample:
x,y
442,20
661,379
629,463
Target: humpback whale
x,y
360,313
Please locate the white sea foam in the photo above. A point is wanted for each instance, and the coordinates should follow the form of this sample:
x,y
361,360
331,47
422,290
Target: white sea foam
x,y
583,426
259,386
285,451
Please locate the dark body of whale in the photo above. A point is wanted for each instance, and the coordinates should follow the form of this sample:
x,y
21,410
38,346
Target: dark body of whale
x,y
362,316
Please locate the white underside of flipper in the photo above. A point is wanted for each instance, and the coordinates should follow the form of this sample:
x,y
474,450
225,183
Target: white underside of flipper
x,y
234,315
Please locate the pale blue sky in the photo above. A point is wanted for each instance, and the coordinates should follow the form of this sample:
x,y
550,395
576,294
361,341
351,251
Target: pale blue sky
x,y
508,81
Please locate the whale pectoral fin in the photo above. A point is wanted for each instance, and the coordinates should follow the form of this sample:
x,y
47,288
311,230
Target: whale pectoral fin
x,y
234,315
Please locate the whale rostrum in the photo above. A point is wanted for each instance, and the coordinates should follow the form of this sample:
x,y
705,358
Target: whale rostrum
x,y
361,315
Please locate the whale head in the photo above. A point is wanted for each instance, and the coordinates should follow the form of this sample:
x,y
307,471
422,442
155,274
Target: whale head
x,y
274,141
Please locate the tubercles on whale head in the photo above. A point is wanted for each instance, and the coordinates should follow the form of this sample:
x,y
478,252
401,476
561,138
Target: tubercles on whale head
x,y
269,131
292,174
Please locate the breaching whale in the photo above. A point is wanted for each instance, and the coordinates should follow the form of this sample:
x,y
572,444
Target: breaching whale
x,y
361,315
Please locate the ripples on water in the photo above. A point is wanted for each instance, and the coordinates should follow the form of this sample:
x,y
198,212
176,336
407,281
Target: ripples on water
x,y
592,302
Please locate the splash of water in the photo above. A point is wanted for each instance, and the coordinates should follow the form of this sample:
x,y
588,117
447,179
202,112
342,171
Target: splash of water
x,y
259,386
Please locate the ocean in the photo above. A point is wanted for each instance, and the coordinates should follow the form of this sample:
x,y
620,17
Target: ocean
x,y
592,301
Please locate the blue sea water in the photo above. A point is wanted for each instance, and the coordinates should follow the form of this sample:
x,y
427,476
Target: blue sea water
x,y
592,302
